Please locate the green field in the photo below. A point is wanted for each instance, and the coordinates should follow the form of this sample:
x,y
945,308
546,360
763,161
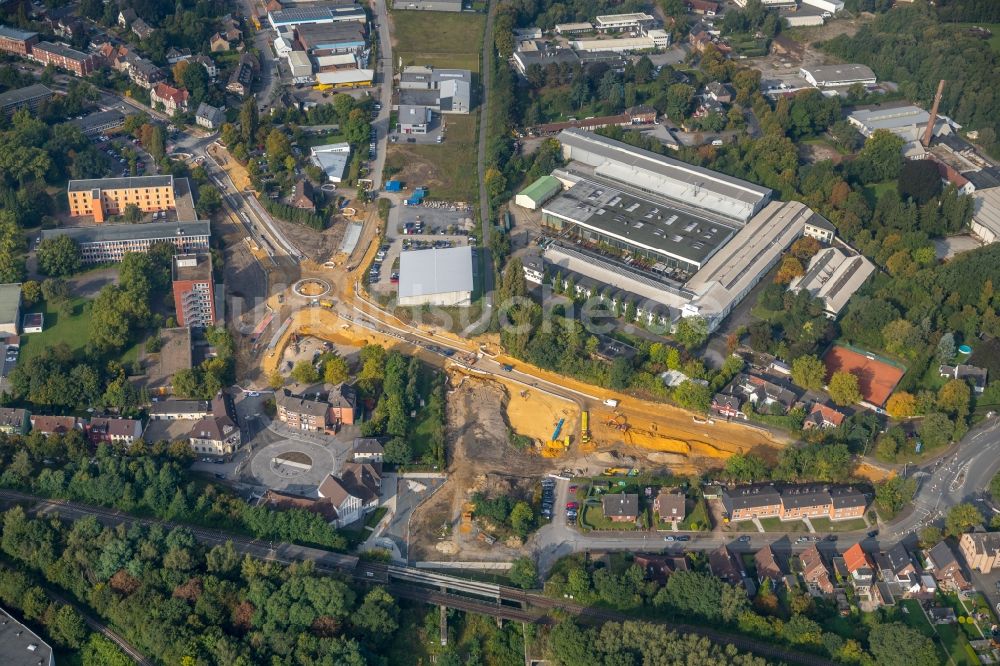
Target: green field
x,y
439,39
827,525
778,525
447,169
72,331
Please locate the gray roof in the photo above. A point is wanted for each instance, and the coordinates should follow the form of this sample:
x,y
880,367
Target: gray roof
x,y
984,178
62,50
121,232
294,15
686,183
213,114
641,220
942,555
316,34
21,95
890,118
831,74
620,505
412,115
10,299
99,119
435,271
119,183
834,275
14,33
19,645
179,407
298,404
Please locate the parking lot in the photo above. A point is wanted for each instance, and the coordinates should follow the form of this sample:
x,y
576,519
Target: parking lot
x,y
417,228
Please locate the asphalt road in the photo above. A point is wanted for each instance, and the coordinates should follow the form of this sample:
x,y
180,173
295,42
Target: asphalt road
x,y
384,77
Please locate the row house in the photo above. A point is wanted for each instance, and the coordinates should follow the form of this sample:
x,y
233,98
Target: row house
x,y
241,80
898,571
55,425
14,421
793,502
728,406
17,42
120,432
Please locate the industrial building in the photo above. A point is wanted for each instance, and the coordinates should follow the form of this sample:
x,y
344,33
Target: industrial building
x,y
330,38
332,158
347,78
105,197
619,22
837,76
194,290
832,6
439,276
453,88
108,243
299,64
674,239
29,97
833,275
533,196
688,185
318,13
986,214
20,646
573,28
414,119
908,122
620,45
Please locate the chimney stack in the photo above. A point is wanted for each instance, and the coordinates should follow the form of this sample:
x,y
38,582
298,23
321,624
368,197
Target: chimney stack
x,y
929,132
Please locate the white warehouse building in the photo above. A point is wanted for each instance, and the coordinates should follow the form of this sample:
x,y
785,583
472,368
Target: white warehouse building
x,y
836,76
440,276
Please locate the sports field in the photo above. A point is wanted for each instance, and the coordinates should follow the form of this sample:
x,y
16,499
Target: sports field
x,y
876,378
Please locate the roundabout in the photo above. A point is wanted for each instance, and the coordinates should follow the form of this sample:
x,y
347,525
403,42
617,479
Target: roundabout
x,y
292,466
311,288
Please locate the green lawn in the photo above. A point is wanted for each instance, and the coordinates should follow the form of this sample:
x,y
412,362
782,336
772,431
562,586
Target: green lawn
x,y
72,330
438,39
874,192
827,525
777,525
957,645
592,516
423,429
698,517
915,618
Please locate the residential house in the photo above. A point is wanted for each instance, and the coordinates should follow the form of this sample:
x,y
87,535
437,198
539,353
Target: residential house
x,y
669,506
699,37
179,410
768,567
725,565
702,7
861,571
765,396
142,29
659,567
126,17
217,43
172,99
822,416
209,117
621,507
367,449
120,432
720,92
980,550
897,570
302,195
815,572
241,78
217,434
208,64
143,73
944,566
727,405
348,507
319,412
54,425
231,28
175,55
793,501
343,400
281,502
14,421
969,373
354,492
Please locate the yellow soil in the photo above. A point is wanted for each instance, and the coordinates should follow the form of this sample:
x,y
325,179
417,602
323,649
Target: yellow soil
x,y
237,173
311,289
872,473
536,414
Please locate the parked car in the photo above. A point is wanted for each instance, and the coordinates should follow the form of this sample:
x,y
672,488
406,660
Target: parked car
x,y
668,538
744,539
684,537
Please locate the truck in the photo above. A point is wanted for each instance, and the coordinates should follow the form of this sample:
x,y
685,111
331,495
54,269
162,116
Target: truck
x,y
584,429
611,403
394,186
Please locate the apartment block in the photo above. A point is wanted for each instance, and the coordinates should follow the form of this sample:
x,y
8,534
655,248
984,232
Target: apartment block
x,y
194,290
794,502
105,197
318,412
109,242
980,550
62,56
30,97
17,42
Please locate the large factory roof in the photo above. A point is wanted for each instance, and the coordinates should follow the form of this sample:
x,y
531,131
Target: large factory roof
x,y
646,222
130,232
435,271
834,275
693,185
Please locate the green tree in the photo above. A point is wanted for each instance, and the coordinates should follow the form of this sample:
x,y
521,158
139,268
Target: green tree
x,y
523,573
961,518
67,627
894,493
58,256
692,395
378,615
895,644
397,451
808,372
954,397
305,372
11,249
132,213
930,536
935,430
522,518
844,389
746,467
335,371
692,332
